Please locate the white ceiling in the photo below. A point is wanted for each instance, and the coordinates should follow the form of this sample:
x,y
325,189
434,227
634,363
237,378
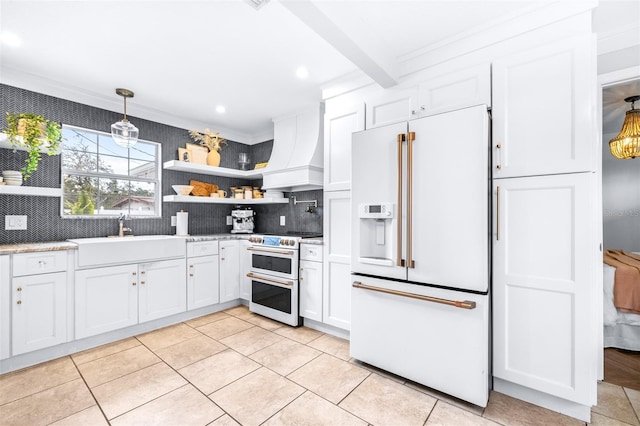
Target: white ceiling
x,y
183,58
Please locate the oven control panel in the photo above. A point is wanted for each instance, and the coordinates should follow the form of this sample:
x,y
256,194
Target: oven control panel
x,y
272,241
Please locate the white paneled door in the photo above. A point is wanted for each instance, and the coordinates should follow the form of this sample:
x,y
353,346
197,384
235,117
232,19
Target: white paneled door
x,y
543,282
340,122
543,110
336,303
39,311
162,290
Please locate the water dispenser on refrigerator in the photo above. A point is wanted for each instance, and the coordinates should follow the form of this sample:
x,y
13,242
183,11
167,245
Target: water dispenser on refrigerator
x,y
376,234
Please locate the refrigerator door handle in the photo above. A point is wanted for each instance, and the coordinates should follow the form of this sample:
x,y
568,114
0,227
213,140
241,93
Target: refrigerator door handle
x,y
464,304
399,259
498,213
411,138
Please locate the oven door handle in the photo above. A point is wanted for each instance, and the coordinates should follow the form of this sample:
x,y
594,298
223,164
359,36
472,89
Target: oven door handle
x,y
258,277
285,252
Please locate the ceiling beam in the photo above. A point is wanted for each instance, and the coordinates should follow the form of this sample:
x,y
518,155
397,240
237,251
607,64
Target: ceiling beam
x,y
356,47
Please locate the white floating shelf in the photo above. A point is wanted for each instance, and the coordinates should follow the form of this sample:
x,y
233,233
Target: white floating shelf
x,y
4,143
211,170
30,190
213,200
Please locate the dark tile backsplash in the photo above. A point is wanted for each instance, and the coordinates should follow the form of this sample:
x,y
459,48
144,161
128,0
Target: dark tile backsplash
x,y
46,224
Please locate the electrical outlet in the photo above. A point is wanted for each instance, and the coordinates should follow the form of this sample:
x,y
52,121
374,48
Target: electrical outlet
x,y
174,221
282,220
229,220
15,222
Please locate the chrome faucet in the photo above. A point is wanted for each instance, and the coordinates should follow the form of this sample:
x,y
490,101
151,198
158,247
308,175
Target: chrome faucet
x,y
121,228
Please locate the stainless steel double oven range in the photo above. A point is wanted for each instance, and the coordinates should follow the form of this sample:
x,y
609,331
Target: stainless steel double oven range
x,y
275,289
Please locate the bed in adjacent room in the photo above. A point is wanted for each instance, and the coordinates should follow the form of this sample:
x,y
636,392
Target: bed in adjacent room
x,y
621,299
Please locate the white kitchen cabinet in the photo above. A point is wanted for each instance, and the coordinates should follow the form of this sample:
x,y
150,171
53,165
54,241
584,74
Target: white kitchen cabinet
x,y
455,90
229,270
162,290
543,110
39,311
38,300
434,95
311,281
5,306
544,253
336,277
106,299
203,285
340,121
392,106
245,267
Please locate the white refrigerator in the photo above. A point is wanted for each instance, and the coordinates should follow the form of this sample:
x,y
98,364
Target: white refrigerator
x,y
421,200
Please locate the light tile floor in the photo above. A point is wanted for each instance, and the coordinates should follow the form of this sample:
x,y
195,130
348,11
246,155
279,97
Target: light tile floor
x,y
234,367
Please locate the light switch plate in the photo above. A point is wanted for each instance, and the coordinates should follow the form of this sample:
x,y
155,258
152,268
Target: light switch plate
x,y
174,220
282,220
229,220
15,222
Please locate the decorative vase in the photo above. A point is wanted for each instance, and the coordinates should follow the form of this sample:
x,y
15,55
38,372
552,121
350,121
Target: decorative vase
x,y
213,158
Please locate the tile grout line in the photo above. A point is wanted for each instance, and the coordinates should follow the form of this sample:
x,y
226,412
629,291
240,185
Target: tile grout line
x,y
90,391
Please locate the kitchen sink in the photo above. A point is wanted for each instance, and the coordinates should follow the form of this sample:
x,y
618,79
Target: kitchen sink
x,y
104,251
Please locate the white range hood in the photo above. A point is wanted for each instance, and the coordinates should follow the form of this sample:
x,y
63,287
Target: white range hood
x,y
296,162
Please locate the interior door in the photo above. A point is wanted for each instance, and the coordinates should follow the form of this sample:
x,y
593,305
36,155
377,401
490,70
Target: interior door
x,y
377,178
448,239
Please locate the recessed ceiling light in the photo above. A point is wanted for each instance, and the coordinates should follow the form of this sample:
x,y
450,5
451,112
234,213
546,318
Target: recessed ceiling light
x,y
220,109
10,39
302,73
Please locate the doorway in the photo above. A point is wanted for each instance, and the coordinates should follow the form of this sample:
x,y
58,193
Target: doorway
x,y
620,196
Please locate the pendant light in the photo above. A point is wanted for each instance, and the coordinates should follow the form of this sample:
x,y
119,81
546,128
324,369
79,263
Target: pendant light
x,y
627,144
123,132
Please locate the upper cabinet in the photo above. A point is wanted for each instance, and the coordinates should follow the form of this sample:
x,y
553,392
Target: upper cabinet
x,y
341,120
543,110
434,95
391,107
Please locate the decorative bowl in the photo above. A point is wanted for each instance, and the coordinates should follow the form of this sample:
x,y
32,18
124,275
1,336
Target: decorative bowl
x,y
182,189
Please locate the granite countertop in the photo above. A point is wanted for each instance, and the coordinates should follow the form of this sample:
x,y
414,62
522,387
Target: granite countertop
x,y
67,245
36,247
314,240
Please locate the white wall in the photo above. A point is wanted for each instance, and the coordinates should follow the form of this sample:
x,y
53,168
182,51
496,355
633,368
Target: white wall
x,y
620,200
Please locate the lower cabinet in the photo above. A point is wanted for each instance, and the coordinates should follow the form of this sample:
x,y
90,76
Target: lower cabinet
x,y
39,311
229,270
203,281
114,297
311,281
543,285
162,291
245,267
336,298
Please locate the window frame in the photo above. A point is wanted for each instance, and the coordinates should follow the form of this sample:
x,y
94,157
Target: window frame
x,y
101,175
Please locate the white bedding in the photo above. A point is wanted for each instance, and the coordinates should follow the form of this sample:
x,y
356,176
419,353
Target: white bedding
x,y
621,329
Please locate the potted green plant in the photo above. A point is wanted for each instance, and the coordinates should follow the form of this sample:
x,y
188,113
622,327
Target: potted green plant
x,y
33,133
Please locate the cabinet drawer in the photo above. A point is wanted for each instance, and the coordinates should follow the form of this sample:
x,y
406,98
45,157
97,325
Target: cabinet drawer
x,y
311,252
202,248
39,263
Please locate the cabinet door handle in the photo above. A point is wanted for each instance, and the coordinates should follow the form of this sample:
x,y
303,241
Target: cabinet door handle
x,y
143,272
19,289
133,284
142,282
190,266
133,273
190,275
499,160
19,302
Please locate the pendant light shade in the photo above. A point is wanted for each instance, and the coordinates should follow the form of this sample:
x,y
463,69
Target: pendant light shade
x,y
123,132
627,144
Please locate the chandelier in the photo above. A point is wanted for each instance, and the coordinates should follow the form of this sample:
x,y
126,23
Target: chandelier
x,y
627,144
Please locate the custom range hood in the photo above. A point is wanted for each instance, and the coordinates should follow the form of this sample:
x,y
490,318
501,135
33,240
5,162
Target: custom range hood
x,y
296,162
